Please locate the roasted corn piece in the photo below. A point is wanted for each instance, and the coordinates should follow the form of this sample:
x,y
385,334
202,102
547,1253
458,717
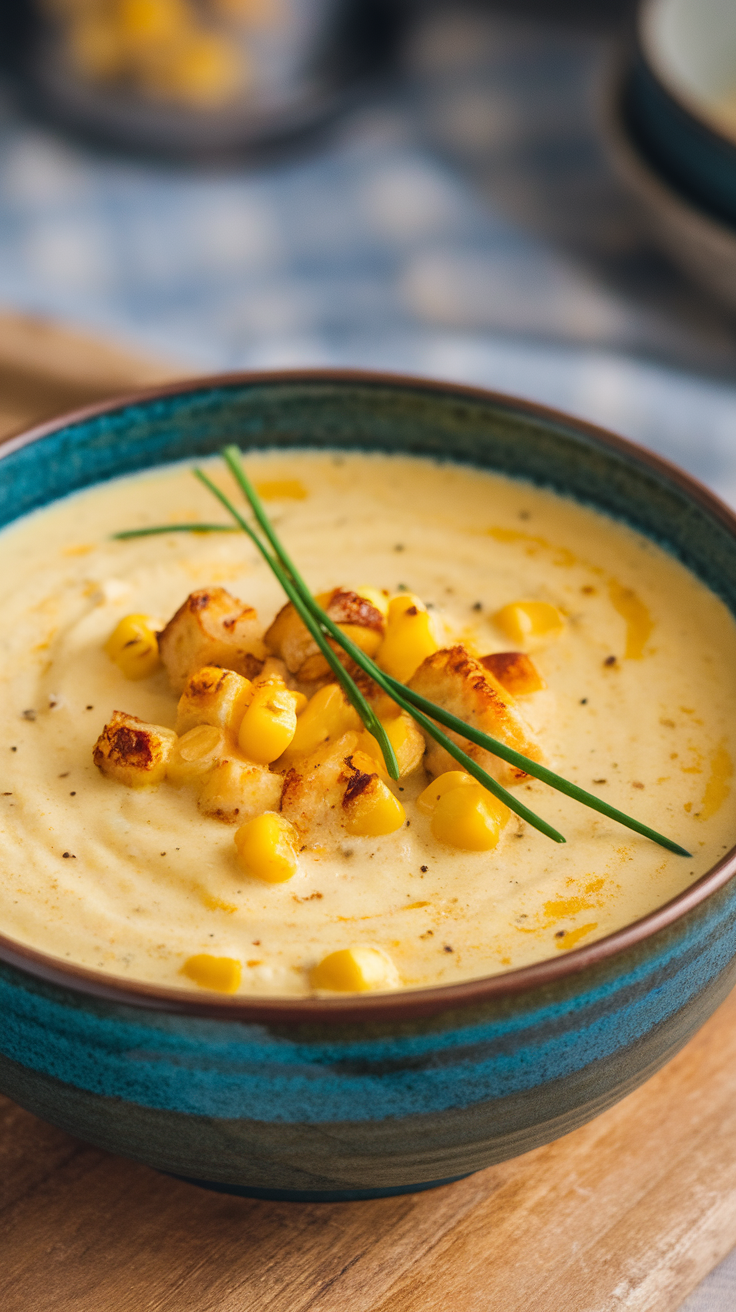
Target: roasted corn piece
x,y
133,752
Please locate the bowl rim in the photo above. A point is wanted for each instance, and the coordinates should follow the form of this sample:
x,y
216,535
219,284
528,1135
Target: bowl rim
x,y
702,115
408,1003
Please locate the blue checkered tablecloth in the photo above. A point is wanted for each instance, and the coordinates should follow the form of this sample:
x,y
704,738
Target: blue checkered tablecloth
x,y
465,224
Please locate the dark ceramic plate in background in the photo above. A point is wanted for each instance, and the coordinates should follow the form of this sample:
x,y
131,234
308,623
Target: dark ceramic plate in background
x,y
353,1097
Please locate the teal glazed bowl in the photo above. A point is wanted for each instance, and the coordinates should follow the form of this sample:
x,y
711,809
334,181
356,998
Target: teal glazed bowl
x,y
363,1096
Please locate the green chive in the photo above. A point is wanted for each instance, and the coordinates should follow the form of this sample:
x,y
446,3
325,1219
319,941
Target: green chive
x,y
352,691
173,528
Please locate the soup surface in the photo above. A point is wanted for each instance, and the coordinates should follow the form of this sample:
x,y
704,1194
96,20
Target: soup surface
x,y
640,708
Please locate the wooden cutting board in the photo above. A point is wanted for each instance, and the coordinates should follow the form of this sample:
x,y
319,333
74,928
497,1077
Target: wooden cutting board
x,y
628,1213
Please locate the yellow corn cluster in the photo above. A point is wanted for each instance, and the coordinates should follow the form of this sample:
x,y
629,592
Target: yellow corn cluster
x,y
409,637
159,47
464,814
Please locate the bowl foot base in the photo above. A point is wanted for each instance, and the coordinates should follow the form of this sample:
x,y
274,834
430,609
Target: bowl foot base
x,y
316,1195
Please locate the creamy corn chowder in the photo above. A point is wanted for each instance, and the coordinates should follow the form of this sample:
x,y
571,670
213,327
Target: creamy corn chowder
x,y
189,800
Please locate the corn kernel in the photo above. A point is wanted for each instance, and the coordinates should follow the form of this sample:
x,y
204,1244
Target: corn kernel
x,y
428,800
267,848
214,696
195,754
133,646
269,724
533,623
328,714
409,638
405,737
469,818
355,970
375,811
219,973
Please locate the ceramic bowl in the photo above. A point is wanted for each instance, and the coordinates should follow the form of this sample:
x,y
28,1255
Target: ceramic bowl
x,y
701,244
354,1097
681,98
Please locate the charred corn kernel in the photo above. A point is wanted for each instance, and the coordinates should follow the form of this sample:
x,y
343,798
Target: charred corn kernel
x,y
355,970
219,973
214,696
378,597
269,724
374,812
409,638
328,714
405,737
133,646
533,623
470,818
195,754
268,848
428,800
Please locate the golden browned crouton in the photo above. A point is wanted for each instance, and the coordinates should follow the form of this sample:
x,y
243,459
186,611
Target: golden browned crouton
x,y
515,671
337,791
214,696
211,628
290,640
313,791
236,790
460,684
133,752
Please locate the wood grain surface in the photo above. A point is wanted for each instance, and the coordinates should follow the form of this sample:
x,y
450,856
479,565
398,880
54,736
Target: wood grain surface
x,y
627,1214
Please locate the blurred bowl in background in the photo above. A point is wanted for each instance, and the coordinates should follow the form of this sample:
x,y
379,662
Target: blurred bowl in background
x,y
681,98
194,78
701,245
